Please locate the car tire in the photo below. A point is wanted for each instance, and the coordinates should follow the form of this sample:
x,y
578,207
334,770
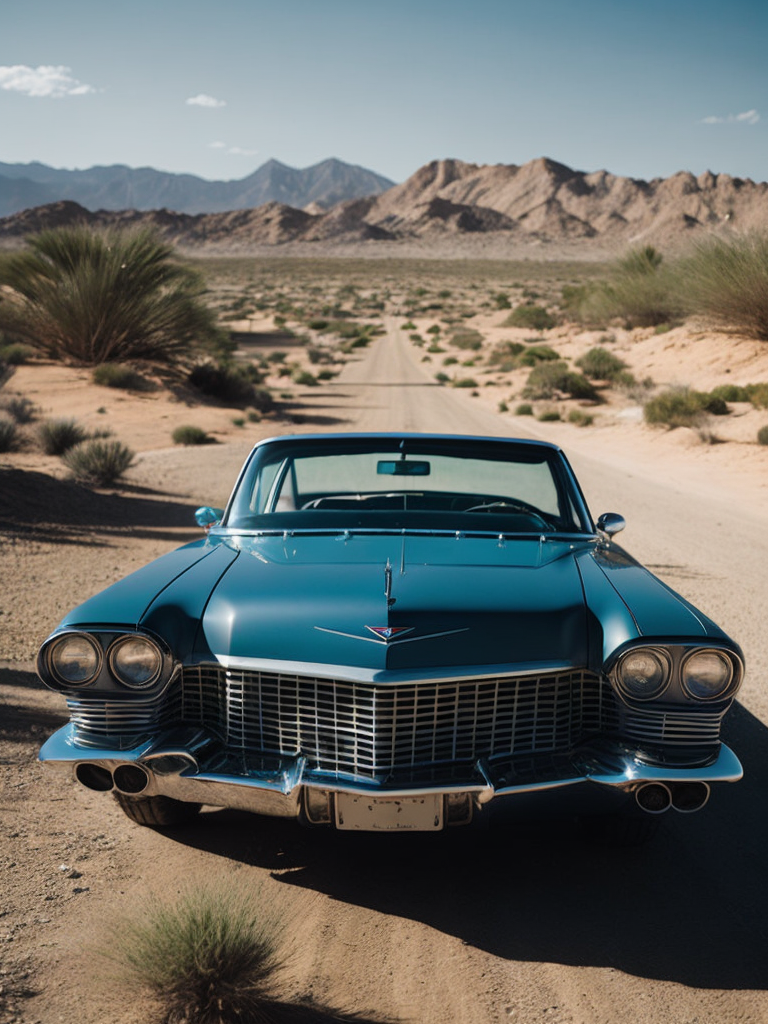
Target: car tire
x,y
619,830
156,811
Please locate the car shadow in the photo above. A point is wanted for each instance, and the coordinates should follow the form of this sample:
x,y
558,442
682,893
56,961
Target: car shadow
x,y
690,907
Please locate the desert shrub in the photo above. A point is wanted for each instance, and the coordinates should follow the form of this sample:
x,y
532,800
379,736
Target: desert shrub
x,y
434,329
318,325
442,378
726,280
417,339
529,315
117,375
6,371
304,378
99,463
600,364
465,382
545,380
502,406
548,416
58,436
504,354
501,301
641,289
762,435
209,957
467,339
434,347
231,384
327,374
524,409
676,407
88,297
450,361
9,435
408,326
580,418
191,435
730,393
19,408
758,395
536,354
16,354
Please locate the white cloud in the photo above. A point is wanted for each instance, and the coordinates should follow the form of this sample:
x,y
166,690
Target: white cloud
x,y
48,80
201,100
748,117
232,150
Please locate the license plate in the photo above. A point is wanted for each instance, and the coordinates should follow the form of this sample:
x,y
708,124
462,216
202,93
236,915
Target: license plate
x,y
389,814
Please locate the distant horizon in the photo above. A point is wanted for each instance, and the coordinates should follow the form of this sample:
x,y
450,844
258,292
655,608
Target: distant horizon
x,y
374,170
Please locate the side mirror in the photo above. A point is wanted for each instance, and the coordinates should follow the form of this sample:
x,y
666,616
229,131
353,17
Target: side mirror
x,y
208,517
611,523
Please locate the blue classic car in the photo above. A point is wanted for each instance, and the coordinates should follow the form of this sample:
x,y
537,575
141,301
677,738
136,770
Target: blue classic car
x,y
397,631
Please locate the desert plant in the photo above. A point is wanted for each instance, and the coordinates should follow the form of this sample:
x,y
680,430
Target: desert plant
x,y
58,436
226,382
536,354
16,354
98,463
504,354
676,407
19,408
191,435
464,382
762,435
600,364
531,316
209,957
726,280
117,375
466,339
503,406
548,416
87,297
524,409
545,380
9,435
304,378
758,395
442,378
641,289
580,418
730,393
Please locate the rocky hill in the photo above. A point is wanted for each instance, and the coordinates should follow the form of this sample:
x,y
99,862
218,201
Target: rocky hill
x,y
143,188
449,206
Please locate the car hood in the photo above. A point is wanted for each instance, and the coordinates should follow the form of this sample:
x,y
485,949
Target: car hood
x,y
398,602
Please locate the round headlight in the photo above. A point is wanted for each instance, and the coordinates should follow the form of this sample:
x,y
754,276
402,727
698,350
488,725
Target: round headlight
x,y
707,674
135,661
643,674
75,660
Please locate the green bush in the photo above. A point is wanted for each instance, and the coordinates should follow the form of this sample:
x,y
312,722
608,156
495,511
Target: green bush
x,y
466,339
730,393
9,435
758,395
58,436
464,382
191,435
524,409
531,316
304,378
442,378
504,354
548,416
676,407
19,408
90,297
726,280
117,375
502,407
16,354
547,379
208,958
600,364
233,385
536,354
641,289
98,463
762,435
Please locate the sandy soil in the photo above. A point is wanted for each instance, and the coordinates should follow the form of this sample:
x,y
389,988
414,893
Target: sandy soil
x,y
475,928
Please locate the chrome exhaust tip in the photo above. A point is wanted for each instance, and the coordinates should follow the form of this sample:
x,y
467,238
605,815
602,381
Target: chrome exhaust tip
x,y
689,797
94,776
131,779
654,798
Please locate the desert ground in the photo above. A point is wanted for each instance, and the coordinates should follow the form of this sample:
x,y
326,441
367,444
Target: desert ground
x,y
470,927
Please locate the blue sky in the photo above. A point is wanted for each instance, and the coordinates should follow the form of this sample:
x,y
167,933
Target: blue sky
x,y
216,89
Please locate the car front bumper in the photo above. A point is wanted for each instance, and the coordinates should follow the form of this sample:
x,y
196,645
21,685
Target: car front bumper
x,y
191,766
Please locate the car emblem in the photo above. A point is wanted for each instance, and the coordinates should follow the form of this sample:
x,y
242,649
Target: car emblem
x,y
388,633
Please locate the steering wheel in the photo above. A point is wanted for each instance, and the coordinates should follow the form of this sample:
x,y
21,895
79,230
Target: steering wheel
x,y
510,506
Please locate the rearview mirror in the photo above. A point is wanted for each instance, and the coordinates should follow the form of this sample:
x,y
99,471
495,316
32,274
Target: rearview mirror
x,y
403,468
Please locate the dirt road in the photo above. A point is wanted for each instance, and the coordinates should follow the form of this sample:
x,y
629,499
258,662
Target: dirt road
x,y
463,927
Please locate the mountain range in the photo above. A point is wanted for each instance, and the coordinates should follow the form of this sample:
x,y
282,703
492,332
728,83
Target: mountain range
x,y
448,207
127,188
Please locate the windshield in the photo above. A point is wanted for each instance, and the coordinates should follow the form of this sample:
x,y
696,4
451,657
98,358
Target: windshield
x,y
427,483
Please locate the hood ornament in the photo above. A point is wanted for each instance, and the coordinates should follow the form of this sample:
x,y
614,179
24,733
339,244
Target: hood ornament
x,y
387,633
391,601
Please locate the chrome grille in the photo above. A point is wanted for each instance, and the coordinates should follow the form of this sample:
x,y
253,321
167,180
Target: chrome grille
x,y
124,723
668,727
371,730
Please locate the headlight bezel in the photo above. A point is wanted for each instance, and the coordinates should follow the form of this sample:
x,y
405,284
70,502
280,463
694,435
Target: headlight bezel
x,y
730,685
661,655
58,644
123,641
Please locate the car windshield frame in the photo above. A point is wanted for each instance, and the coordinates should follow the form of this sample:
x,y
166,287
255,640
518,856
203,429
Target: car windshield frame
x,y
408,496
